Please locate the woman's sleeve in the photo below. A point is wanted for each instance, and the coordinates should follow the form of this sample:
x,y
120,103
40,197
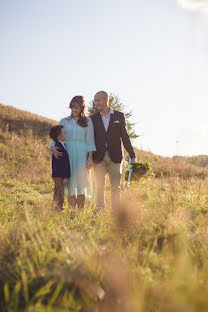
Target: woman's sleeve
x,y
53,143
90,136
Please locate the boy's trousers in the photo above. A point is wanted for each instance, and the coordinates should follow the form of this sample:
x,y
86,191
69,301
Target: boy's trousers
x,y
58,197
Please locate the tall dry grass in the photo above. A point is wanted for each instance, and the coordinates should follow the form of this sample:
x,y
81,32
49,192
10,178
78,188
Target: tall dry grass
x,y
151,255
172,167
13,119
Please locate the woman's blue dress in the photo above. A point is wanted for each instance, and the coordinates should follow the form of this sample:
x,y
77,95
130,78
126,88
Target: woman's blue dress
x,y
79,141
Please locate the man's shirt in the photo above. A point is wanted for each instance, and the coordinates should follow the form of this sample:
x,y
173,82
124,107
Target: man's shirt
x,y
106,119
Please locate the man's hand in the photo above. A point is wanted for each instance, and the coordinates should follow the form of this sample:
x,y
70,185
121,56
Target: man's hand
x,y
89,163
65,181
55,151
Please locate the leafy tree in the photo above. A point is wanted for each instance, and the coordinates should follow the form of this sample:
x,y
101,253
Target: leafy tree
x,y
116,104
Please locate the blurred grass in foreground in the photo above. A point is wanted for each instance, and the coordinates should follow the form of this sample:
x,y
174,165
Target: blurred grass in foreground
x,y
151,257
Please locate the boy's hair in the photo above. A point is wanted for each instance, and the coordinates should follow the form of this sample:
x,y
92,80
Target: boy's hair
x,y
55,132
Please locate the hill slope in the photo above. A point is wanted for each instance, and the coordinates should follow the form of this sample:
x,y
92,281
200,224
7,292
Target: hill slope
x,y
172,167
24,143
13,119
24,151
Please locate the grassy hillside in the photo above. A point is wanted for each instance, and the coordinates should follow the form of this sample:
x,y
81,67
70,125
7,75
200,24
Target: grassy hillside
x,y
24,139
149,257
172,167
24,145
22,122
200,160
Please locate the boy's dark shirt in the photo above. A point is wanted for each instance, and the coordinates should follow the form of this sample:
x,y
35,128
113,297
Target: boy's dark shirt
x,y
61,166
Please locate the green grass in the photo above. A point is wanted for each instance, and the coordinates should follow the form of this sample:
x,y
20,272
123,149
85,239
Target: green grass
x,y
151,256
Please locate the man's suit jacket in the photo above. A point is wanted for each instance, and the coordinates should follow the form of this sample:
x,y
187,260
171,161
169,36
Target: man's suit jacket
x,y
61,166
111,140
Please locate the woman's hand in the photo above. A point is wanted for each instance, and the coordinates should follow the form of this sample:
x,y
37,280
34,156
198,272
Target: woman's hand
x,y
65,181
89,163
55,152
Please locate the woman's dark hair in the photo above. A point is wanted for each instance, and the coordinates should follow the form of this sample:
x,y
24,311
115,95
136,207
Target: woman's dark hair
x,y
55,132
80,100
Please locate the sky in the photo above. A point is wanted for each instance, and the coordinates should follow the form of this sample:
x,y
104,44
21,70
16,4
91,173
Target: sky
x,y
152,54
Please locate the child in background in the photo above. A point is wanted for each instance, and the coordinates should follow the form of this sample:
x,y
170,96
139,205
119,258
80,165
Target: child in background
x,y
60,166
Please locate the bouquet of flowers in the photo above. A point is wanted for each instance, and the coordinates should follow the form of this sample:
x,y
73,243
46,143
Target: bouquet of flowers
x,y
137,170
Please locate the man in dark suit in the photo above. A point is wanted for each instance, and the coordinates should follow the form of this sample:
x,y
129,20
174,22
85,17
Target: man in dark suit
x,y
109,130
60,166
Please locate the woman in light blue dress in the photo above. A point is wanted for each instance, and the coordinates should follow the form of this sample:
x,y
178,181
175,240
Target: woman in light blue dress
x,y
80,146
